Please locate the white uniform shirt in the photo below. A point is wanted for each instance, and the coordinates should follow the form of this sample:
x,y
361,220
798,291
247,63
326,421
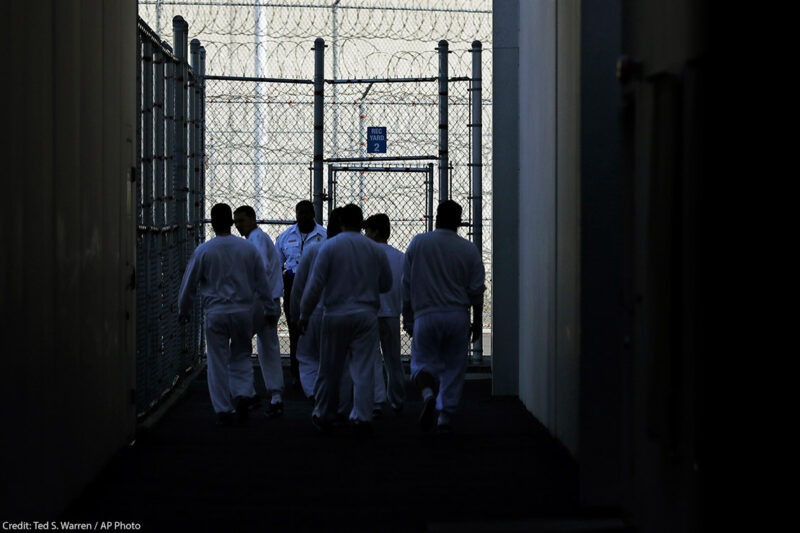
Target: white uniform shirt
x,y
392,301
269,256
229,275
300,280
353,271
441,272
291,244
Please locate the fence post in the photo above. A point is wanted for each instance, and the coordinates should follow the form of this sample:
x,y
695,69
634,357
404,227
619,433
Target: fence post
x,y
477,170
429,207
180,35
181,30
319,95
194,135
202,203
443,49
162,304
169,129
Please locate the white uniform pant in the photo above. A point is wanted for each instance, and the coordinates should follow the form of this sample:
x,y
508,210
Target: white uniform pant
x,y
269,354
388,357
439,347
308,354
347,346
230,373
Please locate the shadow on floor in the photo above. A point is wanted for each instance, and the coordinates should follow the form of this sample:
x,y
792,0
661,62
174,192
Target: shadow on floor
x,y
187,473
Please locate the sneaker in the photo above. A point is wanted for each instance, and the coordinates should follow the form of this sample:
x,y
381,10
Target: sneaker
x,y
274,410
225,419
242,408
322,427
428,415
247,402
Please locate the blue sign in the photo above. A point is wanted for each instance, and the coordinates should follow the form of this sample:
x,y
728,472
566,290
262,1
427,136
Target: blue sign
x,y
376,140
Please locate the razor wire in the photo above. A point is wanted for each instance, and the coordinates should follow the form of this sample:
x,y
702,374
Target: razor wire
x,y
259,134
170,194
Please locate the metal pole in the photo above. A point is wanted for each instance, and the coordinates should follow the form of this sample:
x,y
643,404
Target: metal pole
x,y
180,35
319,95
180,31
330,190
202,207
169,151
335,47
477,169
429,207
147,134
443,49
158,122
194,135
260,129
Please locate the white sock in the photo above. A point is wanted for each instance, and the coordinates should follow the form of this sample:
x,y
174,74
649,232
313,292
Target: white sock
x,y
427,393
276,397
443,419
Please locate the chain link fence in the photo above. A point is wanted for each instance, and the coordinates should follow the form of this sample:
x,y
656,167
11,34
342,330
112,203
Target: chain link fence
x,y
259,135
170,185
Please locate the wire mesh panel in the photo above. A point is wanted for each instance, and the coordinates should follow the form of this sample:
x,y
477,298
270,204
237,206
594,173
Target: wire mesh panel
x,y
402,192
170,195
259,144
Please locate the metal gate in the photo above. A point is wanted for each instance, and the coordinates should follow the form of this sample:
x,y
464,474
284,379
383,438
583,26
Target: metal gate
x,y
409,205
268,139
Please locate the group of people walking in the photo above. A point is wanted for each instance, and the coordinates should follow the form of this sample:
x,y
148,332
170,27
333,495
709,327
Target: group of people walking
x,y
346,295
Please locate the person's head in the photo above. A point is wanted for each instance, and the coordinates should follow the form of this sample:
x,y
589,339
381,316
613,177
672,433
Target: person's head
x,y
448,215
377,227
244,218
334,222
221,219
304,213
352,218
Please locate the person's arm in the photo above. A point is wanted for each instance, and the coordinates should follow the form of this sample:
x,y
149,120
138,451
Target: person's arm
x,y
263,288
313,290
299,284
385,271
188,287
408,313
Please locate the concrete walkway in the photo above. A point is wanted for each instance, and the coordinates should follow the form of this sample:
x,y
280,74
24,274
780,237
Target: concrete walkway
x,y
501,471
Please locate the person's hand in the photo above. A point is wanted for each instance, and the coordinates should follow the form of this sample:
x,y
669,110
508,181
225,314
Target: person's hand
x,y
409,329
302,324
477,330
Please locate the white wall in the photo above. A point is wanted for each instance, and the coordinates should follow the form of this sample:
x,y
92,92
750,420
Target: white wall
x,y
547,201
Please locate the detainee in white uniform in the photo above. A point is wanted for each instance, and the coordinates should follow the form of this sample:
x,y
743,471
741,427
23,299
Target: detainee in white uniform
x,y
353,272
308,345
231,280
269,350
378,228
443,276
299,238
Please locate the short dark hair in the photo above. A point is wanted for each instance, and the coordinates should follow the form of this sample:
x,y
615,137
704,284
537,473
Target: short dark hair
x,y
448,214
380,223
334,222
304,203
221,217
247,210
352,217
